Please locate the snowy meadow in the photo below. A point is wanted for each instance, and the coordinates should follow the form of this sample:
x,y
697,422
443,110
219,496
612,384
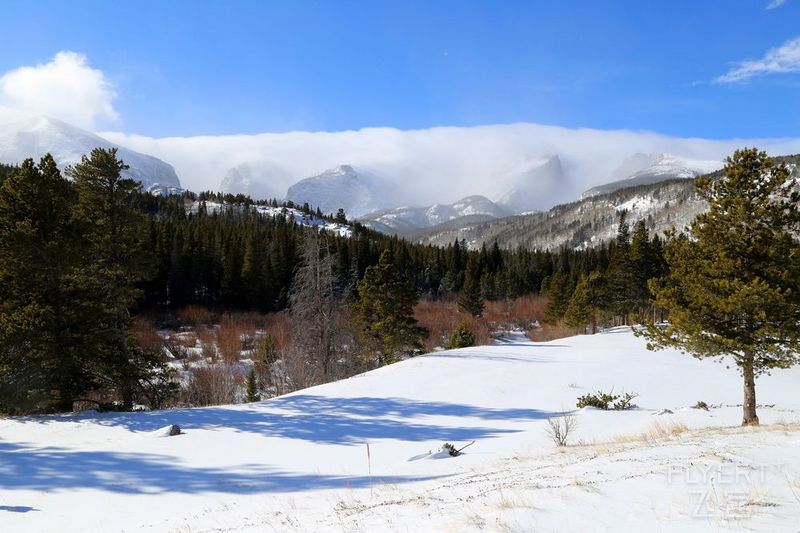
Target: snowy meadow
x,y
363,454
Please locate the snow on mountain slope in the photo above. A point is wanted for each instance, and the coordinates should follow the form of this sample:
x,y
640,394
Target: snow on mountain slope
x,y
250,180
357,191
298,216
533,186
644,169
36,136
359,454
403,220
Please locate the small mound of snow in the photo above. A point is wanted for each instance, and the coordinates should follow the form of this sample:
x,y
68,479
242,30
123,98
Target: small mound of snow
x,y
167,431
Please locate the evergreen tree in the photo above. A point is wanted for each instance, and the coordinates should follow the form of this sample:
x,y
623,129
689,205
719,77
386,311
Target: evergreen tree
x,y
462,337
559,292
117,261
39,369
252,386
384,311
579,311
621,277
469,298
733,288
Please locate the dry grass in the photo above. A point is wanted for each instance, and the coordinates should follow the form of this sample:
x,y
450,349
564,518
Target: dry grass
x,y
656,432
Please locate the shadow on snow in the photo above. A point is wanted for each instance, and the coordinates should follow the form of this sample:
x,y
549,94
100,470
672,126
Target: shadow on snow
x,y
322,419
56,469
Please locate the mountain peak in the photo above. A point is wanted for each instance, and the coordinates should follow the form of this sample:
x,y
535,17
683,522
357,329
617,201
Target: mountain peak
x,y
356,191
644,169
23,136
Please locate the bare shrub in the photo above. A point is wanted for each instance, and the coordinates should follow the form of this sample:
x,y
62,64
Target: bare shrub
x,y
229,339
548,332
196,315
279,328
442,317
208,343
212,385
559,428
525,311
146,335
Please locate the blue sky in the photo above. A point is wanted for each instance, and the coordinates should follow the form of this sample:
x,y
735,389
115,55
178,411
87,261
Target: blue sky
x,y
191,68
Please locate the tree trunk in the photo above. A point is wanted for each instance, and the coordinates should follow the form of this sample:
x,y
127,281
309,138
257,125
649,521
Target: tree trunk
x,y
749,406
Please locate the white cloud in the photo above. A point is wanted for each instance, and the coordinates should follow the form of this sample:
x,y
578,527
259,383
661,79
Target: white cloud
x,y
66,88
775,4
783,59
433,165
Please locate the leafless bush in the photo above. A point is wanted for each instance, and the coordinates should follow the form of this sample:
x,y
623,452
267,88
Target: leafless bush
x,y
208,343
196,315
441,317
549,332
146,334
229,339
560,427
212,385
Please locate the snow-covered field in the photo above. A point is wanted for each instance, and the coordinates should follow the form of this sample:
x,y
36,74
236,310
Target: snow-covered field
x,y
360,454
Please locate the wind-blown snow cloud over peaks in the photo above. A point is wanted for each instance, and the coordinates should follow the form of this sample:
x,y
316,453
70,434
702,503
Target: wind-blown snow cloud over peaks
x,y
780,60
67,88
436,165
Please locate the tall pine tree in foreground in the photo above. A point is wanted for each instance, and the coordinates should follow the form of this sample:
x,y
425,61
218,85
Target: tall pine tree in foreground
x,y
117,261
39,367
733,288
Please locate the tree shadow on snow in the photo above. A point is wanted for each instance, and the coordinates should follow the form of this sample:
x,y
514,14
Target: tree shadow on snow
x,y
326,420
60,469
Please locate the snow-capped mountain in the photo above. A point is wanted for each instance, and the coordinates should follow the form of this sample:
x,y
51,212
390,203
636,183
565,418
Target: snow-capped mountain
x,y
402,220
644,169
532,187
36,136
249,180
357,191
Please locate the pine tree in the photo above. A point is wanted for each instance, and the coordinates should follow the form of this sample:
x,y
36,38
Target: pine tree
x,y
559,292
579,311
117,261
621,277
39,252
384,312
462,337
733,288
252,386
470,299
